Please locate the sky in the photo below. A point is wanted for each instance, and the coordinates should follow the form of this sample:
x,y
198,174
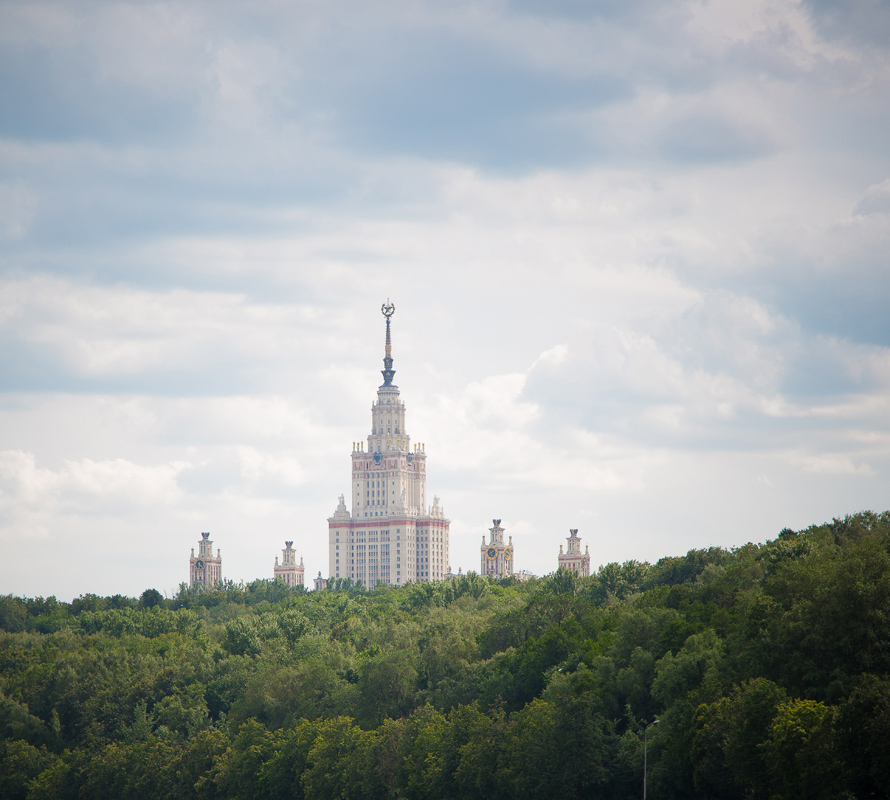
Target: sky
x,y
638,252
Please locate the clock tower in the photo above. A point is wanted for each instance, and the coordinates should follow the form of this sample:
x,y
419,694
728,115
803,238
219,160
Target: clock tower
x,y
497,557
205,569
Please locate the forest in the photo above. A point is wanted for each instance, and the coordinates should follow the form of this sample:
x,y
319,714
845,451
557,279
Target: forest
x,y
766,667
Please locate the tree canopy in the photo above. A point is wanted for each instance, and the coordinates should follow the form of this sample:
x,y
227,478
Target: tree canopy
x,y
768,667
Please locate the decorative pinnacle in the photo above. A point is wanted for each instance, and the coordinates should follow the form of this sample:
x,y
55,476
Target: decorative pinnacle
x,y
388,309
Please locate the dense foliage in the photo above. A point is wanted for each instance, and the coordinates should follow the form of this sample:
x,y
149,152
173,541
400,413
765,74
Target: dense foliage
x,y
768,668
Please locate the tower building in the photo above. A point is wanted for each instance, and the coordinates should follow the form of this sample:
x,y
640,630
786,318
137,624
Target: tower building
x,y
205,569
497,557
387,532
289,571
573,558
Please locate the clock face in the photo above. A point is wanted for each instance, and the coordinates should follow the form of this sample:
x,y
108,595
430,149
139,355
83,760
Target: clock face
x,y
491,552
199,564
508,553
378,457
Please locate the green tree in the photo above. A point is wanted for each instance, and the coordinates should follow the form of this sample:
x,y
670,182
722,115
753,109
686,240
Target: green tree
x,y
151,598
281,775
385,687
183,713
802,754
342,763
557,750
252,747
17,722
863,736
20,763
203,773
140,771
477,774
731,733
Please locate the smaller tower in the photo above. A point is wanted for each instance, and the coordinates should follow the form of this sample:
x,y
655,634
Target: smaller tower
x,y
289,571
573,558
320,583
205,569
497,557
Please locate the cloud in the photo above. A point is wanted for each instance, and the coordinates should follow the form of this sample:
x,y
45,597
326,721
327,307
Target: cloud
x,y
459,99
863,22
829,464
708,137
581,10
875,201
724,373
17,206
94,73
84,486
62,335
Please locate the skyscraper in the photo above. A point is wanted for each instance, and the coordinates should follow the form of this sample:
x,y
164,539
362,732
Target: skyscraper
x,y
390,534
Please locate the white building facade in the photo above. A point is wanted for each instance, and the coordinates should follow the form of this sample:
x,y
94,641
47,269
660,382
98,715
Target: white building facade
x,y
387,533
573,558
205,569
289,570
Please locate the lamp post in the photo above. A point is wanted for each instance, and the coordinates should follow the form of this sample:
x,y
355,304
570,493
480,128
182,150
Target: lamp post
x,y
646,728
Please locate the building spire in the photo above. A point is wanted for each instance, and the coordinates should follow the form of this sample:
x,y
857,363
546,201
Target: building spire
x,y
388,309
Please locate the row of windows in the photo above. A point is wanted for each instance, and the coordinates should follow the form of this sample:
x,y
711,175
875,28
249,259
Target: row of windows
x,y
392,474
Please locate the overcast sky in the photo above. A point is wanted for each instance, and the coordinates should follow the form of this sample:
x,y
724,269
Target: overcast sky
x,y
638,251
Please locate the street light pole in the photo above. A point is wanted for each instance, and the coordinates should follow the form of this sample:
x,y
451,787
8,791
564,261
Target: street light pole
x,y
646,728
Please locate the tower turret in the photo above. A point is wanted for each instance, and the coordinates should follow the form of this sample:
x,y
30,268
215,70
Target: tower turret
x,y
288,570
496,557
205,569
573,558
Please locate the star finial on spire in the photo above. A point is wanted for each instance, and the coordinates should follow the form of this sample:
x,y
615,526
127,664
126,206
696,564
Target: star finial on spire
x,y
388,309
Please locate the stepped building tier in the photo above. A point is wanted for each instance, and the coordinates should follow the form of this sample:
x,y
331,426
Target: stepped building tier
x,y
289,570
387,533
497,557
573,558
205,569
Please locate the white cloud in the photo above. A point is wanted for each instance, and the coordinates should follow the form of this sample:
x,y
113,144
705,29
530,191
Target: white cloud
x,y
34,494
256,466
875,201
829,464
